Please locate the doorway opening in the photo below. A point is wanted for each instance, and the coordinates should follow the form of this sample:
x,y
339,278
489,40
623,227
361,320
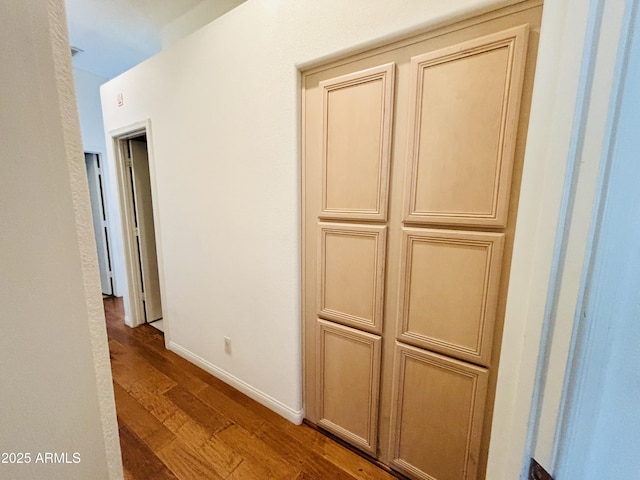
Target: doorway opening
x,y
96,183
134,166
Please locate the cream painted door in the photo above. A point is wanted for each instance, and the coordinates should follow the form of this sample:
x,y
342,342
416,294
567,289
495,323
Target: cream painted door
x,y
412,159
146,237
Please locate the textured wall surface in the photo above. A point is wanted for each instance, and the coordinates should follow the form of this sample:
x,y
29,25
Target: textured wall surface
x,y
87,86
56,394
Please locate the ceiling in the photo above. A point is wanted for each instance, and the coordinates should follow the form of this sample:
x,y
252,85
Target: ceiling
x,y
115,35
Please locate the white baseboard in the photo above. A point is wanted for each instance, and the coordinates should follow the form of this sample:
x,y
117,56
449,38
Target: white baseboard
x,y
294,416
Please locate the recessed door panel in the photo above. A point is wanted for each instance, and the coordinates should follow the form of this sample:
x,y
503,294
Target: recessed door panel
x,y
449,291
147,250
462,130
356,144
349,376
351,274
436,422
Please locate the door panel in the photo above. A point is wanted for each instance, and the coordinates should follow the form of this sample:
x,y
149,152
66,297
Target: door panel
x,y
352,274
96,195
449,291
349,375
437,419
409,215
356,144
147,235
462,131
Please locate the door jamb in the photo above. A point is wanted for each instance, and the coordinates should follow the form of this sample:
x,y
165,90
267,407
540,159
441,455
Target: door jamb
x,y
133,302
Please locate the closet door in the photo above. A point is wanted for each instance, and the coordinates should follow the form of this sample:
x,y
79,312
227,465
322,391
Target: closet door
x,y
412,159
463,119
438,415
354,132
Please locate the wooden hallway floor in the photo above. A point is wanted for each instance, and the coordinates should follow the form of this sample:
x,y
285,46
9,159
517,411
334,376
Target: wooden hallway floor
x,y
177,421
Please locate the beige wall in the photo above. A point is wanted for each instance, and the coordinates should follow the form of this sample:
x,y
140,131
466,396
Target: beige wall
x,y
56,394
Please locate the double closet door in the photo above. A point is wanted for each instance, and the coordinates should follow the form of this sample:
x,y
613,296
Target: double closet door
x,y
412,159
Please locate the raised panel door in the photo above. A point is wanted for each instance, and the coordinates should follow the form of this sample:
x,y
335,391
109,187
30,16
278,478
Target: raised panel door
x,y
437,420
466,100
351,274
449,291
356,138
349,378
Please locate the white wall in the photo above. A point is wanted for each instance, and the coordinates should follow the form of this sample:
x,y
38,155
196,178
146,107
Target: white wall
x,y
90,110
587,140
56,393
224,109
601,436
203,13
87,87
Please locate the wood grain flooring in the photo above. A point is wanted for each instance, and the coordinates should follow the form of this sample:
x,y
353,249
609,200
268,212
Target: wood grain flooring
x,y
179,422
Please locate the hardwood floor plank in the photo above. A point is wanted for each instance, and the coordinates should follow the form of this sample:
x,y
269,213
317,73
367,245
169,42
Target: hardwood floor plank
x,y
156,403
185,463
186,380
135,417
243,472
235,412
128,475
139,351
300,454
132,373
139,460
199,411
303,433
259,458
222,458
306,476
352,463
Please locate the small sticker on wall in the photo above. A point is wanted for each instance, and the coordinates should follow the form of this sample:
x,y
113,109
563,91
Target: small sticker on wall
x,y
120,100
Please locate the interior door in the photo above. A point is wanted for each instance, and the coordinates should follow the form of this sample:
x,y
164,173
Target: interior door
x,y
412,159
146,237
100,227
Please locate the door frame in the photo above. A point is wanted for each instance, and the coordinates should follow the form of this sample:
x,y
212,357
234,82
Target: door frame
x,y
105,211
133,301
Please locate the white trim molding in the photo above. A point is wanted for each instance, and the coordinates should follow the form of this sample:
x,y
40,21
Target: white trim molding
x,y
543,273
601,290
134,312
294,416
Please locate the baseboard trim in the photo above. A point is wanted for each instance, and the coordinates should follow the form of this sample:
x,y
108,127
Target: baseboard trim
x,y
294,416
